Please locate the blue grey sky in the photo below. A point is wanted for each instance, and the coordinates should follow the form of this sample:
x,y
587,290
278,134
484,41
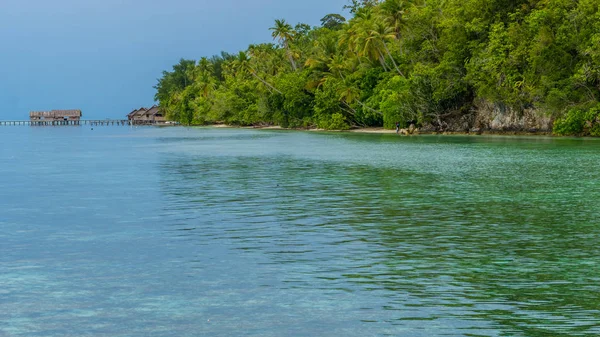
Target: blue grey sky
x,y
104,56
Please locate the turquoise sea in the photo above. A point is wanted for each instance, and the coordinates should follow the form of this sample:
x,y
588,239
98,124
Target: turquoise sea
x,y
121,231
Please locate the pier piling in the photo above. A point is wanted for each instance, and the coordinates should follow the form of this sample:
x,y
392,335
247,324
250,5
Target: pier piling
x,y
108,122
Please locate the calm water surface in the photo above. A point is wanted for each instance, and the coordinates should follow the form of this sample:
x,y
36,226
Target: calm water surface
x,y
210,232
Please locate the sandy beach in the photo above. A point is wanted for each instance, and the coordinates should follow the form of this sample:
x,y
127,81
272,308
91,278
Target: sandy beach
x,y
375,130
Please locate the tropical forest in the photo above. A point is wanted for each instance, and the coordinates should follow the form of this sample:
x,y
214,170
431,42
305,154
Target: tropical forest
x,y
442,65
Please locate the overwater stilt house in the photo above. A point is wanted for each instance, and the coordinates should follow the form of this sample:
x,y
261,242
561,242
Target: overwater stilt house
x,y
136,114
143,116
55,117
156,115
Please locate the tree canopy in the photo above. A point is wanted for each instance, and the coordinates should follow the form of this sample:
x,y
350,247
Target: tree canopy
x,y
394,61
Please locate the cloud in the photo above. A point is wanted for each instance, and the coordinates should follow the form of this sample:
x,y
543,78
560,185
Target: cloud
x,y
104,56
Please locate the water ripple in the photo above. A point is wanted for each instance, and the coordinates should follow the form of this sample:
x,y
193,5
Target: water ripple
x,y
246,233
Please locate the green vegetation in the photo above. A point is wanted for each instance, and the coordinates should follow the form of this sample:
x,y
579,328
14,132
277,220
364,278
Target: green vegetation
x,y
584,122
404,60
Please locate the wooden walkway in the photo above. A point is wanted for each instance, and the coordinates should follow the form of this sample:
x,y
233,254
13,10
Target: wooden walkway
x,y
79,122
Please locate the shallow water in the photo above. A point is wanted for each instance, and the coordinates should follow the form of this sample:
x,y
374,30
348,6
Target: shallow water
x,y
224,232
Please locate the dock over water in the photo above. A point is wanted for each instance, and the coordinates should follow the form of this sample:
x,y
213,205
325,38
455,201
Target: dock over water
x,y
72,117
100,122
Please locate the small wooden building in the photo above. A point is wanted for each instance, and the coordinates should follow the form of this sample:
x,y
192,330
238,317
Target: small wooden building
x,y
156,115
56,116
136,114
147,116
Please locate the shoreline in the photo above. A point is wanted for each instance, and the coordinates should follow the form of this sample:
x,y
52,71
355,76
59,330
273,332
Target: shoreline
x,y
381,130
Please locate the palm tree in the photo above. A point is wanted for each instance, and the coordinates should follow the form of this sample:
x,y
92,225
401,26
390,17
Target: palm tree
x,y
242,64
385,33
337,65
348,39
348,95
392,12
203,77
371,41
205,84
362,41
269,56
205,66
326,62
284,33
368,42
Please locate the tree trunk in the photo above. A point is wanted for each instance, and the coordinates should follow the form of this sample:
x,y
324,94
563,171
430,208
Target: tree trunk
x,y
290,56
393,61
292,61
265,82
352,111
369,108
358,57
382,60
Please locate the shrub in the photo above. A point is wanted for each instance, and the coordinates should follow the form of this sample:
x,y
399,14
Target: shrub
x,y
570,124
592,122
579,122
336,121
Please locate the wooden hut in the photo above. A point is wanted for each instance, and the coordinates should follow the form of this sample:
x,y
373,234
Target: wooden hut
x,y
136,114
56,116
147,116
156,115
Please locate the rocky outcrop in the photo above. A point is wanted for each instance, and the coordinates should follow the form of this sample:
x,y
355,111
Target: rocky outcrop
x,y
496,117
500,117
412,130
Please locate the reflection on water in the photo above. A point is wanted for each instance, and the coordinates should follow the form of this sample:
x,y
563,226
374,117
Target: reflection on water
x,y
246,233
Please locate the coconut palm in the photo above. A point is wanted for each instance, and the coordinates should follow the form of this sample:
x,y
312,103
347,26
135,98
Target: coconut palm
x,y
271,60
242,64
284,33
367,42
326,62
205,66
348,41
385,33
392,12
203,78
349,94
372,37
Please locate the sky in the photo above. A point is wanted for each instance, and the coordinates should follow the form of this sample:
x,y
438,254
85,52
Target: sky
x,y
105,56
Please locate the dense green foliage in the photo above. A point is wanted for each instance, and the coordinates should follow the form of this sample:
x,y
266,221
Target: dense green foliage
x,y
403,60
579,121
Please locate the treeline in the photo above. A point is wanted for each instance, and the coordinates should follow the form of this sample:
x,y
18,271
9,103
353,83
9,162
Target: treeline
x,y
429,61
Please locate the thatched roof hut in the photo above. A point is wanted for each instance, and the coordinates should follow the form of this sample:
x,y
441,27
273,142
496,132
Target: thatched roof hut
x,y
55,115
147,116
136,113
155,112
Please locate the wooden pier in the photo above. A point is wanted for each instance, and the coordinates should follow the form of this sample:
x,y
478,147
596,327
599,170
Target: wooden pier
x,y
100,122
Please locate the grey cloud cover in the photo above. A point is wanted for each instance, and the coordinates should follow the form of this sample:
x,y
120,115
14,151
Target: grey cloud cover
x,y
104,56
